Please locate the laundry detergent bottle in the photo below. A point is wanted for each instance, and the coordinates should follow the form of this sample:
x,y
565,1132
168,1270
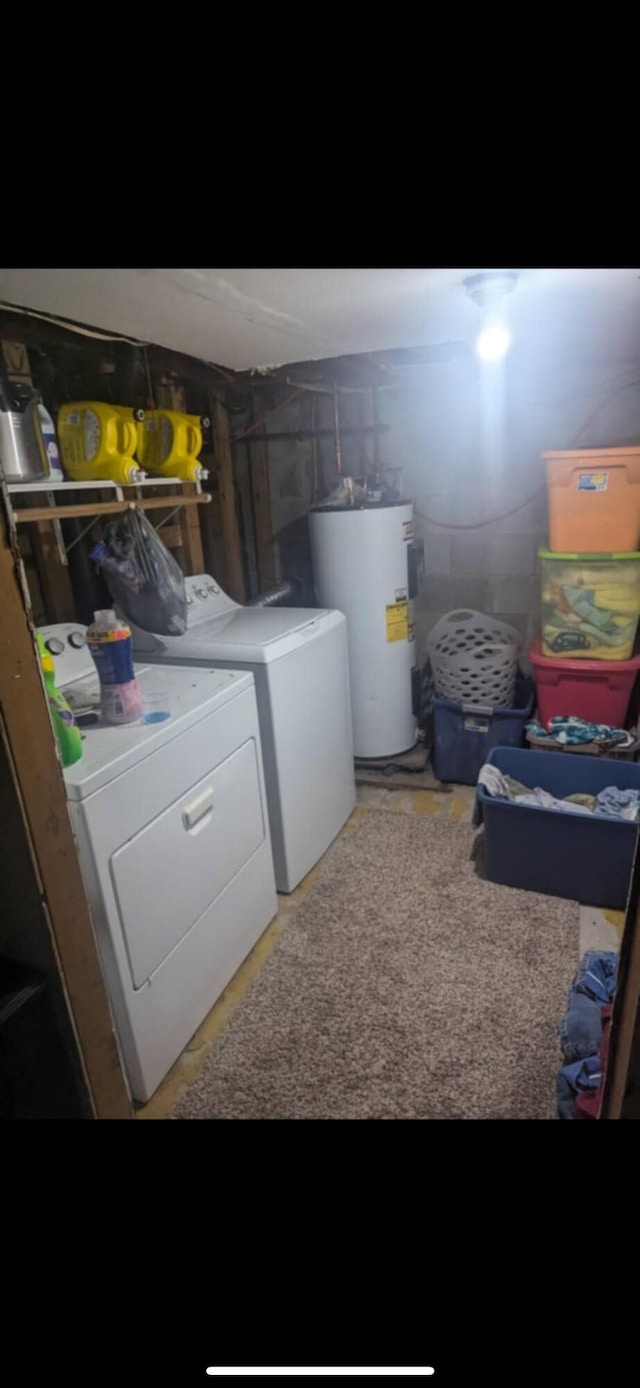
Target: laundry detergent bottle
x,y
109,641
98,441
50,443
169,444
68,736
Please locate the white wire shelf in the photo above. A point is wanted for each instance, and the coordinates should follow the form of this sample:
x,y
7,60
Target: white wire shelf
x,y
99,485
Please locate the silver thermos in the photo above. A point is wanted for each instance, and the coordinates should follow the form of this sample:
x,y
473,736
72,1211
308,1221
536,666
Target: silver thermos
x,y
23,455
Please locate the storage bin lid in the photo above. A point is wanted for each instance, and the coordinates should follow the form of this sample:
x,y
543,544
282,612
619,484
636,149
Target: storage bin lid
x,y
523,702
587,558
595,453
581,667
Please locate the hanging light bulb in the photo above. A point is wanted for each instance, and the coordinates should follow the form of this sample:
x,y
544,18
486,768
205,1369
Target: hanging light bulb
x,y
487,291
494,340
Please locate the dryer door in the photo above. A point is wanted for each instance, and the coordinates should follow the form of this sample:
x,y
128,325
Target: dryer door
x,y
171,872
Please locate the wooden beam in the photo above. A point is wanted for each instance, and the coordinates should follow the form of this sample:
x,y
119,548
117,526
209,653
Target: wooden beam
x,y
16,361
53,576
106,508
169,395
622,1076
171,535
191,536
37,332
215,557
227,494
172,396
33,754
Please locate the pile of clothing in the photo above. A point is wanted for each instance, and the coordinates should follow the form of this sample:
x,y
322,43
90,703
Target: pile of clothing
x,y
573,732
615,803
584,1035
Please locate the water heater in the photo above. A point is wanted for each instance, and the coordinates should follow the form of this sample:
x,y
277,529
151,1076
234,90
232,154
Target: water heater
x,y
361,567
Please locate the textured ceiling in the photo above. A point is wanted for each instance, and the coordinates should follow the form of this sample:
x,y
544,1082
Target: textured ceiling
x,y
267,317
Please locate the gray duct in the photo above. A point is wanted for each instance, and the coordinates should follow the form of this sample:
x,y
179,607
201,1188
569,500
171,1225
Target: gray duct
x,y
283,592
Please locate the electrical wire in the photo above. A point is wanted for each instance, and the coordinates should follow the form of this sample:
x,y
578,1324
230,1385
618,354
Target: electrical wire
x,y
337,428
314,451
71,327
95,333
214,367
493,520
331,389
440,525
620,376
265,415
477,525
152,399
603,406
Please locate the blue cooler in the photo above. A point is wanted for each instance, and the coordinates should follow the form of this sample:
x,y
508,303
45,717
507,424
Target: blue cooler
x,y
464,735
585,857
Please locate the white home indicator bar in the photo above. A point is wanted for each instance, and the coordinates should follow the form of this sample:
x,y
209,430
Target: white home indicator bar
x,y
319,1373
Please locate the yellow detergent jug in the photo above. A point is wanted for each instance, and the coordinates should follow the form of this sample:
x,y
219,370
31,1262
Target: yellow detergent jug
x,y
99,441
169,443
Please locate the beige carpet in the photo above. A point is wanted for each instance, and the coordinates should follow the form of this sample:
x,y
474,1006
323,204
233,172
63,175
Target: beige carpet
x,y
406,986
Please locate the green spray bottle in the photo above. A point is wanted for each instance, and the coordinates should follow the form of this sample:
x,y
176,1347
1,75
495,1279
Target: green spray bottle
x,y
69,737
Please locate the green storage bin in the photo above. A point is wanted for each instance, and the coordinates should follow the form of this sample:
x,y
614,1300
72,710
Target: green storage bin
x,y
590,605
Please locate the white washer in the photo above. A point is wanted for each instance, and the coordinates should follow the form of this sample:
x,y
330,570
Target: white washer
x,y
173,836
298,657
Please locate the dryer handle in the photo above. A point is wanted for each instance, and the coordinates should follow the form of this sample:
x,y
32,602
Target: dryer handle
x,y
194,814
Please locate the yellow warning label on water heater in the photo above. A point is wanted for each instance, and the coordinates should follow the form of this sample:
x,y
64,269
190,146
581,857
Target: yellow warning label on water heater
x,y
397,621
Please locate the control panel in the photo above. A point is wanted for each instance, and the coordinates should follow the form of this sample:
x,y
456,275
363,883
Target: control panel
x,y
66,642
205,599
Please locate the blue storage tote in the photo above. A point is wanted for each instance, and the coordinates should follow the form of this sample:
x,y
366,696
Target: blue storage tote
x,y
585,857
464,735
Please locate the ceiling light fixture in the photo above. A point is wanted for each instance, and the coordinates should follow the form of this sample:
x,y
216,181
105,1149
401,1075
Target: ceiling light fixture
x,y
488,291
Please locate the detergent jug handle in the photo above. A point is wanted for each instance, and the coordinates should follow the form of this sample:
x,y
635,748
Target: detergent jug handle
x,y
194,440
127,437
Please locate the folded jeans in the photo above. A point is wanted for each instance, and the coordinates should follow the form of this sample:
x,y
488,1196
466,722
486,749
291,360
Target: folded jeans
x,y
596,976
581,1027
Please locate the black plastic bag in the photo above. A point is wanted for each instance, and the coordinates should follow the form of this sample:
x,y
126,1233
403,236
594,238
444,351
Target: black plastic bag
x,y
144,579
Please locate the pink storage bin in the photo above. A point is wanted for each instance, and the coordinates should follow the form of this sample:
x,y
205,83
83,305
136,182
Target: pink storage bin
x,y
597,690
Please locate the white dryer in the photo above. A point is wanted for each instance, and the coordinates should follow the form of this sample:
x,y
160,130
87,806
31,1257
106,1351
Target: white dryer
x,y
173,837
298,657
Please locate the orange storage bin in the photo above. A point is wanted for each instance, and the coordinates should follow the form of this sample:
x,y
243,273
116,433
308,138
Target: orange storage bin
x,y
594,500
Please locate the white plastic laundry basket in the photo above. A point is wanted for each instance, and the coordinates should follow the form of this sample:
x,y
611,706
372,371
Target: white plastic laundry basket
x,y
474,659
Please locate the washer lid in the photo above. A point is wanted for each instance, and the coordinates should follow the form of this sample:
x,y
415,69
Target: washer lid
x,y
251,635
108,751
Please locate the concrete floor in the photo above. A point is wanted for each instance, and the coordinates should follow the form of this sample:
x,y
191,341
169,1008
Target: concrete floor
x,y
599,929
